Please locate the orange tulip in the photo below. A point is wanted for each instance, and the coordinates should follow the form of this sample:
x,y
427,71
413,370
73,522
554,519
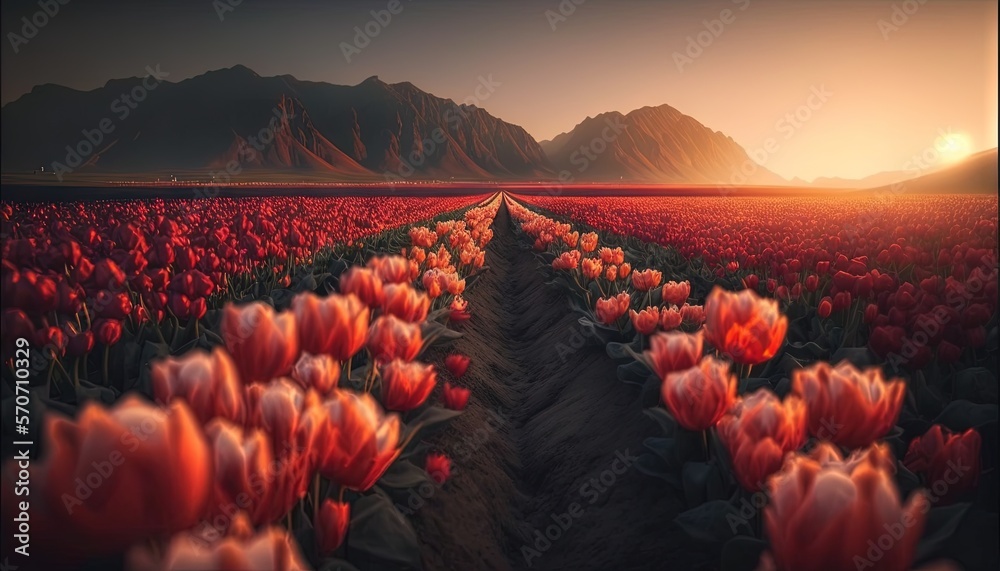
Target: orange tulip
x,y
669,352
609,256
458,310
242,472
208,382
950,462
438,467
758,431
698,397
828,513
108,461
434,282
405,386
592,268
611,273
263,344
319,372
356,442
392,338
391,269
694,314
271,549
364,283
455,398
744,326
336,325
676,293
645,321
567,260
646,279
610,309
406,303
624,269
281,409
848,406
588,242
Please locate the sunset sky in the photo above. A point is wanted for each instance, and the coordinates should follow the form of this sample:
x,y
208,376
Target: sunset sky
x,y
892,89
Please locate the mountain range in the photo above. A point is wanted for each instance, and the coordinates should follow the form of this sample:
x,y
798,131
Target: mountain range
x,y
233,121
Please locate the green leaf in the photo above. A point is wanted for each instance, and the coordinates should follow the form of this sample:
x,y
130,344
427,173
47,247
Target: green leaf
x,y
379,534
403,474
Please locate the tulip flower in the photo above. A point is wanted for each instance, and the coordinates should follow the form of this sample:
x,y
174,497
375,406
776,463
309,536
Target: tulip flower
x,y
331,527
676,293
675,351
646,279
365,284
567,260
406,303
318,372
848,406
693,314
454,397
243,461
391,269
356,443
336,325
107,331
645,321
392,338
744,326
263,344
281,409
458,310
438,466
826,512
670,318
698,396
949,462
456,364
273,549
758,430
592,268
588,242
133,454
609,310
405,386
207,382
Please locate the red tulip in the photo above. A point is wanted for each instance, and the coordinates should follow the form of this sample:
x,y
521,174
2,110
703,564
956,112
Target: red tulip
x,y
438,467
744,326
675,351
697,397
826,512
207,382
456,364
694,314
363,283
406,303
319,372
645,321
609,310
848,406
392,338
455,398
758,431
101,466
825,308
331,527
283,410
243,464
405,386
264,344
356,442
950,462
80,344
670,318
676,293
107,331
391,269
336,325
458,310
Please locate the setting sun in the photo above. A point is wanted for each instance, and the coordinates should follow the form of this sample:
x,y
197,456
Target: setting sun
x,y
953,146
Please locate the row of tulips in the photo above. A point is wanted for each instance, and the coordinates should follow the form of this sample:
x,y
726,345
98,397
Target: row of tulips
x,y
915,278
819,457
77,274
256,452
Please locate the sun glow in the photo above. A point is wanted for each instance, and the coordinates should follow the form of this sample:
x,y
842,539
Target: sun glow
x,y
953,146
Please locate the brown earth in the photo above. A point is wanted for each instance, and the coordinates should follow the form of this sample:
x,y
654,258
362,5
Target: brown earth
x,y
544,423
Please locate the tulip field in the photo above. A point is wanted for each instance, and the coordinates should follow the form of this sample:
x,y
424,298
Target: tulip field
x,y
501,381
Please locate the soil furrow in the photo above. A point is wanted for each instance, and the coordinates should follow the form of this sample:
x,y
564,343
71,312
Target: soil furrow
x,y
544,456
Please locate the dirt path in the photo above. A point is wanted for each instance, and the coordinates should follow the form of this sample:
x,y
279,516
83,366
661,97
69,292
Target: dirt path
x,y
544,454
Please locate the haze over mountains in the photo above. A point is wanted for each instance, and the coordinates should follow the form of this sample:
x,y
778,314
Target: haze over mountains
x,y
237,121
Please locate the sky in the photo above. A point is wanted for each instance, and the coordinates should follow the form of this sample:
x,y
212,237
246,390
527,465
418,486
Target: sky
x,y
810,88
